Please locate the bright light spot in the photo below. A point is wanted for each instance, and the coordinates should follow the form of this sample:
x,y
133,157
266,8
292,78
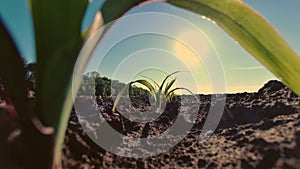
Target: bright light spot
x,y
185,54
191,47
203,17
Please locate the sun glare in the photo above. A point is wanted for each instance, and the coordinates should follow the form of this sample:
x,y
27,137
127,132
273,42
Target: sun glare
x,y
191,47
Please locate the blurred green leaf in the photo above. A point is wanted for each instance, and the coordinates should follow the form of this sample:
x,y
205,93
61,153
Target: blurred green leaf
x,y
113,9
12,73
253,33
58,40
57,27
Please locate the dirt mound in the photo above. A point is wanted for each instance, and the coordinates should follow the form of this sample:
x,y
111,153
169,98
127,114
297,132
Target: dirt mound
x,y
257,130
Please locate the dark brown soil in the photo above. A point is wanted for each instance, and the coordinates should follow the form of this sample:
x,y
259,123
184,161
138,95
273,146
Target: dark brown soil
x,y
257,130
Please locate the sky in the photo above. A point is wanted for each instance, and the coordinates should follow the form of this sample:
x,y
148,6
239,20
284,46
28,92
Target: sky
x,y
173,39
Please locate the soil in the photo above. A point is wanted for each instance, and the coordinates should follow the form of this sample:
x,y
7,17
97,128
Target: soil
x,y
257,130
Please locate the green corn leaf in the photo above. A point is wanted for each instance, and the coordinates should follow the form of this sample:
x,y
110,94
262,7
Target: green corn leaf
x,y
166,78
169,85
149,86
253,33
145,83
12,73
171,96
113,9
156,84
126,88
123,91
57,27
58,41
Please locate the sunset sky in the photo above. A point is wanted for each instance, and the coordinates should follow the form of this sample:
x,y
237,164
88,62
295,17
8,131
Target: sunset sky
x,y
157,54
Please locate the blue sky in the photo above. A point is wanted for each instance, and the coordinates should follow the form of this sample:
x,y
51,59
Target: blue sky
x,y
242,71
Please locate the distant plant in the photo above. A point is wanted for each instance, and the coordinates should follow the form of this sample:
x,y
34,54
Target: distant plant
x,y
161,93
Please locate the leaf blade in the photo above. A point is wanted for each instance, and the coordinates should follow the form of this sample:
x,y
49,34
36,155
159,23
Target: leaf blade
x,y
166,78
118,98
148,85
156,84
57,26
56,48
145,83
253,33
169,85
112,9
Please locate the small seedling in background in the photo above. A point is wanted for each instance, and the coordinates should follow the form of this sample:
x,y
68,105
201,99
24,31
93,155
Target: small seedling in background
x,y
161,93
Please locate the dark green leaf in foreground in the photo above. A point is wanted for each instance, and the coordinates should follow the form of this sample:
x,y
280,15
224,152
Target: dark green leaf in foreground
x,y
57,25
113,9
12,72
58,40
253,33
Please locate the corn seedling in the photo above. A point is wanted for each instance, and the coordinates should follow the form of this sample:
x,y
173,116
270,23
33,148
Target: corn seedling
x,y
161,93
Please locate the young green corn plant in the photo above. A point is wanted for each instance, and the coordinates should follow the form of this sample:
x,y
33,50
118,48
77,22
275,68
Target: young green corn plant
x,y
57,25
161,93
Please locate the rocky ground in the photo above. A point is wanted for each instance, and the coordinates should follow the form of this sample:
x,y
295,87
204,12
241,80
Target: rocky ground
x,y
257,130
